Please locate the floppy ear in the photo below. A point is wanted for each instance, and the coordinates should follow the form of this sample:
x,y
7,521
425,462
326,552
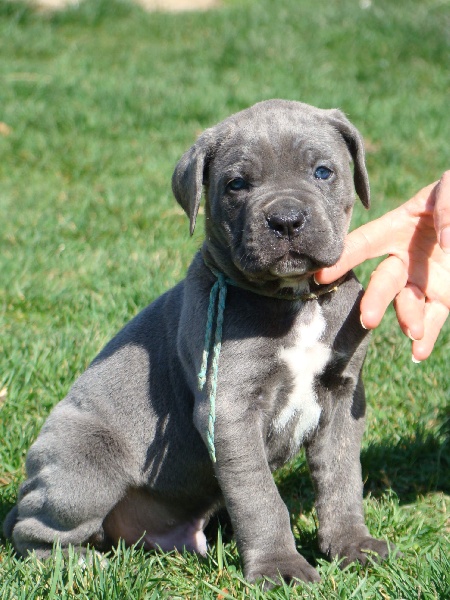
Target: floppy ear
x,y
355,144
187,179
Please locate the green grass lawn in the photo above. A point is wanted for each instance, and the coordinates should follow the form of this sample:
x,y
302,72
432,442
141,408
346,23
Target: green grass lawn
x,y
96,106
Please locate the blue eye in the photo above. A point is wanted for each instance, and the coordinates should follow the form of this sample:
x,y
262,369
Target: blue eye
x,y
237,184
323,173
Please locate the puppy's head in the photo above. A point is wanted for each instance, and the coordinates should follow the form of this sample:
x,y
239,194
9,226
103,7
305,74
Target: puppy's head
x,y
279,190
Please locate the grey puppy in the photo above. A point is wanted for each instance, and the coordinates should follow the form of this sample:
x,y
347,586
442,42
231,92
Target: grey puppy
x,y
155,437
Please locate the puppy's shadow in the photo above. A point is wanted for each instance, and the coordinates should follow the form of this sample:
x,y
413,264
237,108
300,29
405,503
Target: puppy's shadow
x,y
412,467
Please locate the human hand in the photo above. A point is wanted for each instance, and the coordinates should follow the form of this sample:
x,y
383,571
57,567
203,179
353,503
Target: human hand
x,y
416,274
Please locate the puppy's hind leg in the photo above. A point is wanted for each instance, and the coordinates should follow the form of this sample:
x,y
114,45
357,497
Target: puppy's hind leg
x,y
78,470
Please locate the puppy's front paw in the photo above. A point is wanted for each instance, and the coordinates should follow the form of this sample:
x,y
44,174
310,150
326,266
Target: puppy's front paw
x,y
278,569
360,550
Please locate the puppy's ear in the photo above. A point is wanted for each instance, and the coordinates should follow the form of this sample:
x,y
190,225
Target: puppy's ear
x,y
355,144
188,177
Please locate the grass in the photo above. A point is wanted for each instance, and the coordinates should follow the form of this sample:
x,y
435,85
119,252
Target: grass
x,y
97,104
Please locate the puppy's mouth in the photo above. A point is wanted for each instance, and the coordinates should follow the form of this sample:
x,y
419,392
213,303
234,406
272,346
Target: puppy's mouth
x,y
294,267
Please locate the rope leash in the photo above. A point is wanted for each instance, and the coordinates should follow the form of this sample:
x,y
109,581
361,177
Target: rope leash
x,y
216,308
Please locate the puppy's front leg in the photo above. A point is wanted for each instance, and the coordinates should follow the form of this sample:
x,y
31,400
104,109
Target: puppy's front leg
x,y
259,516
334,461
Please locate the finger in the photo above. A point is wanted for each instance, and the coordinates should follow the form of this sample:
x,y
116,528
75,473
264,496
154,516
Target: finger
x,y
409,305
442,212
435,317
369,241
388,279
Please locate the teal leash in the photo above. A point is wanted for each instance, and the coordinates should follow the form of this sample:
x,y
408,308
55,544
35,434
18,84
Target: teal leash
x,y
216,308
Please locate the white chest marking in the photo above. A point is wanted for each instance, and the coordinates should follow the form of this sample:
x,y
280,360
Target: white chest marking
x,y
305,360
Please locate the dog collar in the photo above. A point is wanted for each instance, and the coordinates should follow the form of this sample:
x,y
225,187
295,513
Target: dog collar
x,y
216,308
285,293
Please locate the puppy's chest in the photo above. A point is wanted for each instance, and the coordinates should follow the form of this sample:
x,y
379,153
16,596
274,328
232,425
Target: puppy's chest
x,y
295,410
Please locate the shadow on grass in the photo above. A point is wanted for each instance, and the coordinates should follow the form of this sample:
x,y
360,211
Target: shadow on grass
x,y
412,467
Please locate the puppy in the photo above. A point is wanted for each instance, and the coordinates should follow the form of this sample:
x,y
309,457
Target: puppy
x,y
226,376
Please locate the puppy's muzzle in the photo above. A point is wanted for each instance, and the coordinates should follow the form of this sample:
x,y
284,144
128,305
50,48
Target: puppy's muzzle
x,y
286,219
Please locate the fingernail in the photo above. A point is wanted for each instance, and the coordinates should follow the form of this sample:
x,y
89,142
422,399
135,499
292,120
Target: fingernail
x,y
444,240
362,324
411,337
315,280
414,359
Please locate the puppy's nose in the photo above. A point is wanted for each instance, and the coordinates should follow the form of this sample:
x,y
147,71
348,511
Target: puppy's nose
x,y
286,222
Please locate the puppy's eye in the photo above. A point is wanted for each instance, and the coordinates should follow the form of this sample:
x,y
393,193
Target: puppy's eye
x,y
237,184
323,173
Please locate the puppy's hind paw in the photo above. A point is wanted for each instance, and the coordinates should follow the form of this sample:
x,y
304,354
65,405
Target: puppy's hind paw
x,y
275,571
